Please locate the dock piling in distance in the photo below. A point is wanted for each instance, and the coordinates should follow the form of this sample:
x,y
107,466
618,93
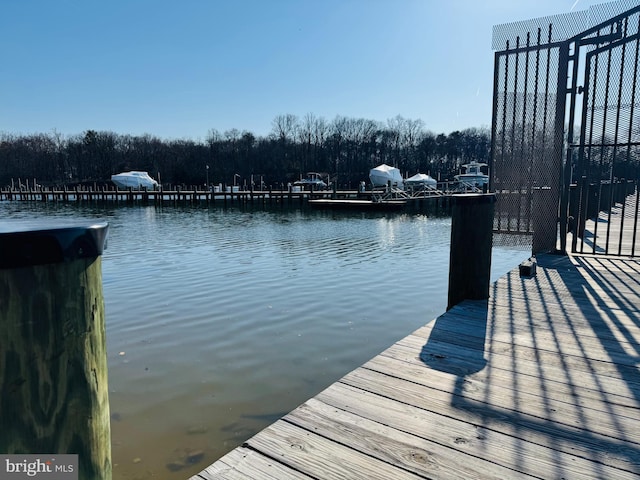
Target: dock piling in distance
x,y
470,251
53,360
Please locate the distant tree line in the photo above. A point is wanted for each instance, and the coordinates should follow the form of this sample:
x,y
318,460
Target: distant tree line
x,y
344,149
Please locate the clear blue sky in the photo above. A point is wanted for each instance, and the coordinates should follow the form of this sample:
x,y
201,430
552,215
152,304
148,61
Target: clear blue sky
x,y
177,69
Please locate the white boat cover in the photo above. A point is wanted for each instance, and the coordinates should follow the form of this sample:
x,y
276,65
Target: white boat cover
x,y
133,179
382,174
421,179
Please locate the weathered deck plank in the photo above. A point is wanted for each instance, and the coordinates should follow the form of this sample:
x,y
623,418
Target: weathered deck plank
x,y
321,457
540,381
516,448
399,444
245,464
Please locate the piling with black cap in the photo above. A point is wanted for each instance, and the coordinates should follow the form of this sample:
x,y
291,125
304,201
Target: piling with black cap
x,y
470,251
53,361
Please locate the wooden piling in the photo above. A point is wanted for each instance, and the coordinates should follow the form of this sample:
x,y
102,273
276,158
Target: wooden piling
x,y
470,252
53,362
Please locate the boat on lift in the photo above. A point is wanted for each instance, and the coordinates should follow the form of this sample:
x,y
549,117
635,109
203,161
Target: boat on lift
x,y
313,181
384,175
473,175
134,179
420,181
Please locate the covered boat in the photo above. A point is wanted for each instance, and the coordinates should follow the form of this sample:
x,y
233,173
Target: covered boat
x,y
381,175
134,179
420,181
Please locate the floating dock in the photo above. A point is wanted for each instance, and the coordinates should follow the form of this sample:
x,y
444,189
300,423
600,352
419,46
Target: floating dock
x,y
540,381
347,204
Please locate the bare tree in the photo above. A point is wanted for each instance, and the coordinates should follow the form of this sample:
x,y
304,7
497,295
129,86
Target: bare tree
x,y
284,126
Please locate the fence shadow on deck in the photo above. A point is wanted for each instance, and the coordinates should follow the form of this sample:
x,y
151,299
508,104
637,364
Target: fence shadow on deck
x,y
554,359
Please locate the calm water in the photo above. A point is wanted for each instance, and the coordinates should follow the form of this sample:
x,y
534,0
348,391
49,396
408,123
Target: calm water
x,y
219,321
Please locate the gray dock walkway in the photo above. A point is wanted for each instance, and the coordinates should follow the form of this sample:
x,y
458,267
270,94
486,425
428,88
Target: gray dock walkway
x,y
540,381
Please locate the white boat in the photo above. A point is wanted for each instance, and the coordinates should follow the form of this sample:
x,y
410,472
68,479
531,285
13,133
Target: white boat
x,y
381,175
473,175
313,180
134,179
420,181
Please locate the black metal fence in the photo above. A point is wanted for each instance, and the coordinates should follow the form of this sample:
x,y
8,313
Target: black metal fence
x,y
566,129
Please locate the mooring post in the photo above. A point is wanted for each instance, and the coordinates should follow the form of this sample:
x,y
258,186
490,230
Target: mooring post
x,y
470,252
53,360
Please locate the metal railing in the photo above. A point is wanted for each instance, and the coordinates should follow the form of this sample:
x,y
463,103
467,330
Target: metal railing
x,y
565,112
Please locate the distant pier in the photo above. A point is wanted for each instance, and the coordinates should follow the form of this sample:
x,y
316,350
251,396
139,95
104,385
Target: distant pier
x,y
228,196
131,195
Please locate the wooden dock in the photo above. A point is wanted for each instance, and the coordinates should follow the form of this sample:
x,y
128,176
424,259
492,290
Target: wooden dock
x,y
348,204
184,196
540,381
194,196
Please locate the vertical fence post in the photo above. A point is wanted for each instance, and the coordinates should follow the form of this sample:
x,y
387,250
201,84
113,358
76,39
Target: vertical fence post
x,y
470,252
53,361
544,221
